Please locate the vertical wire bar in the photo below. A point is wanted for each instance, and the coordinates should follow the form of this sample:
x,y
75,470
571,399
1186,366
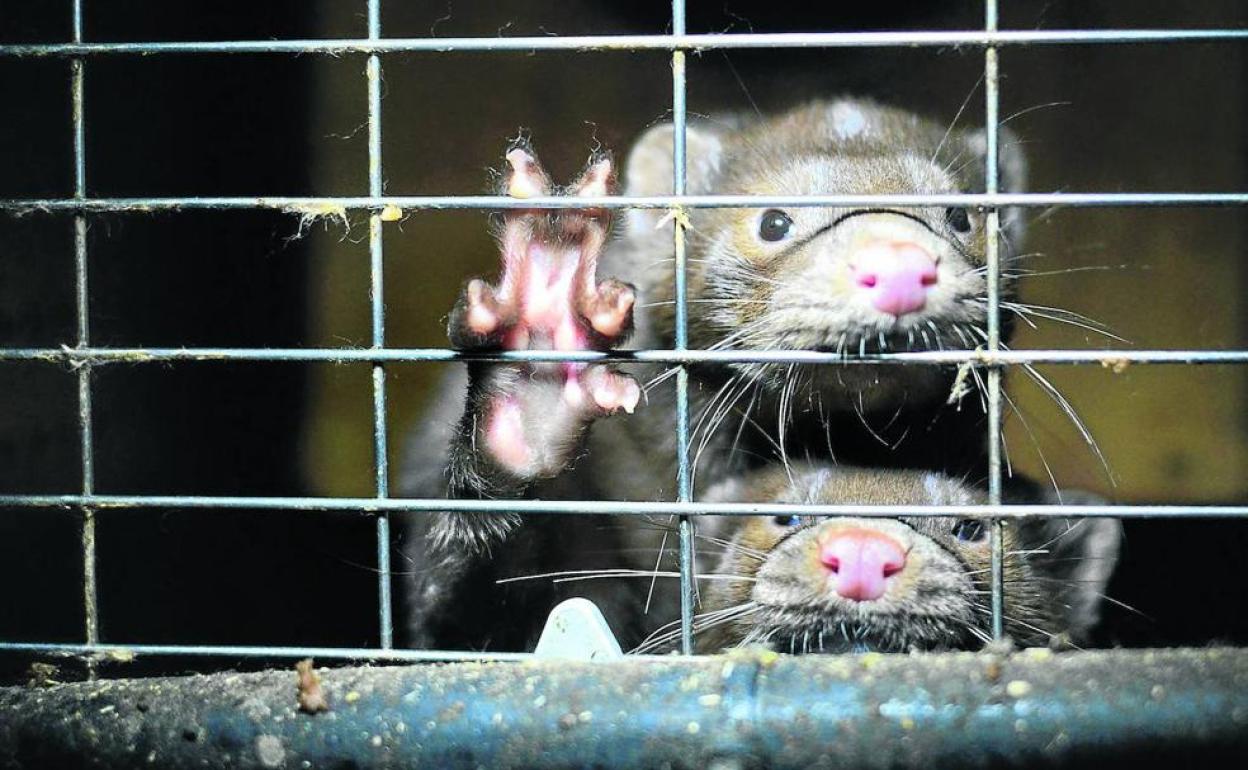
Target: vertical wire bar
x,y
992,99
90,597
385,615
684,492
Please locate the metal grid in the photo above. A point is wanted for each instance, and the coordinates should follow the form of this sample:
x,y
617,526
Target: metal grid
x,y
83,357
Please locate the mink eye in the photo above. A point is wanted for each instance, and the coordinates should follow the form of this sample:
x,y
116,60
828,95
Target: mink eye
x,y
969,530
786,521
774,226
958,218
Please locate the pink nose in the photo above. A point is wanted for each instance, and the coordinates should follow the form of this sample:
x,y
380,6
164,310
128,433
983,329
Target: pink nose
x,y
861,559
896,274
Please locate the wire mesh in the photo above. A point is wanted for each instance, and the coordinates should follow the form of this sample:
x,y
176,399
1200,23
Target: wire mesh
x,y
83,357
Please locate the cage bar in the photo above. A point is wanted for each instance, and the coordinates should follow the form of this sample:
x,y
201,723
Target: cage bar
x,y
1106,357
117,653
376,258
992,235
90,594
684,490
673,42
95,654
619,507
303,205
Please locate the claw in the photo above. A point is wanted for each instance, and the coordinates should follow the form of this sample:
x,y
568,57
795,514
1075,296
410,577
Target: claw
x,y
612,390
482,309
548,295
610,311
598,179
526,178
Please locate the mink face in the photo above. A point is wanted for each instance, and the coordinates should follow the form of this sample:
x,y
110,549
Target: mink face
x,y
834,279
807,584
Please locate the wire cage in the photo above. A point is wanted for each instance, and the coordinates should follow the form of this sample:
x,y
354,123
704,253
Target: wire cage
x,y
1209,709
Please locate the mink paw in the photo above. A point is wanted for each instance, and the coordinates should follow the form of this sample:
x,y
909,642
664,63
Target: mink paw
x,y
529,417
548,296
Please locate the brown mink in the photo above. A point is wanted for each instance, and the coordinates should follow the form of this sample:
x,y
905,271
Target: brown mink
x,y
831,584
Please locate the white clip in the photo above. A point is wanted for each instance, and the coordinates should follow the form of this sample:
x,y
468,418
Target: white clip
x,y
576,630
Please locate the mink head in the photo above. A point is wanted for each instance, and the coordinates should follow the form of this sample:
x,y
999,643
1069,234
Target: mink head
x,y
837,279
808,584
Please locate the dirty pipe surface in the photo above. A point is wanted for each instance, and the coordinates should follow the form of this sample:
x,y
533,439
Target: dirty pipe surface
x,y
745,710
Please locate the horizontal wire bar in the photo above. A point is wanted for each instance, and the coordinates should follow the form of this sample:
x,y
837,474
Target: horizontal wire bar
x,y
125,652
1104,357
696,42
366,505
336,207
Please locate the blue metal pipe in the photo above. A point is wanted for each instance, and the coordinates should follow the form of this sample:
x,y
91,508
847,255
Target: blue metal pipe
x,y
748,710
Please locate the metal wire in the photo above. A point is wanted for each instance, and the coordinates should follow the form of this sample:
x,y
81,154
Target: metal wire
x,y
371,505
125,652
385,618
992,103
1110,359
336,207
90,593
673,42
684,488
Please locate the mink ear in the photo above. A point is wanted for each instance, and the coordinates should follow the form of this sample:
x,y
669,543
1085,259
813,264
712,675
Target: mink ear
x,y
1011,175
1081,556
1011,162
649,168
733,489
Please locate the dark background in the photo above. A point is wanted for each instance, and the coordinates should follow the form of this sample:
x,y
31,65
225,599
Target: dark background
x,y
1139,118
